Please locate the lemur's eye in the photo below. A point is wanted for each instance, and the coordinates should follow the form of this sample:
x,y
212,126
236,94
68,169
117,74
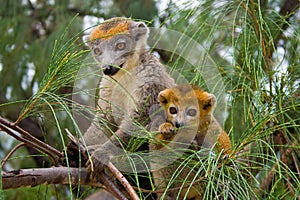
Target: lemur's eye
x,y
121,46
97,52
192,112
173,110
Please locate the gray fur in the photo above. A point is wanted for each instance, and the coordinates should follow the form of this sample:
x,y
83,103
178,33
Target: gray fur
x,y
126,97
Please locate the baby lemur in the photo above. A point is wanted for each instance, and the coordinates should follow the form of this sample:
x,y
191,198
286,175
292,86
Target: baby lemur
x,y
132,78
188,109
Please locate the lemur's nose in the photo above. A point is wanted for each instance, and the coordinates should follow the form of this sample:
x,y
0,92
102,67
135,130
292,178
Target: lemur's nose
x,y
109,70
178,124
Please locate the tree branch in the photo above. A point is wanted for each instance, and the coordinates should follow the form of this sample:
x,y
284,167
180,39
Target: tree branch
x,y
123,181
56,175
38,176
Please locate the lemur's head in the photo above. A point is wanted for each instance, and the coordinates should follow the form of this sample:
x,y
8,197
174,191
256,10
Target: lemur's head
x,y
187,105
117,43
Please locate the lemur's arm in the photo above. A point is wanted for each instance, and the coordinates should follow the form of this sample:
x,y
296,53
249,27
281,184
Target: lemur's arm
x,y
131,125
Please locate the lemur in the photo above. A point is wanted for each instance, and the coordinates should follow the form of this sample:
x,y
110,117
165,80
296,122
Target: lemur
x,y
188,109
132,78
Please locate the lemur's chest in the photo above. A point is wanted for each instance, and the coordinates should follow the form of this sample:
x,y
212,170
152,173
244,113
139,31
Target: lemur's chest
x,y
133,91
117,95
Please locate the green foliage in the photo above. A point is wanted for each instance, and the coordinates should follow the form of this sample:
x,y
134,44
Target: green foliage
x,y
64,64
250,44
39,192
254,44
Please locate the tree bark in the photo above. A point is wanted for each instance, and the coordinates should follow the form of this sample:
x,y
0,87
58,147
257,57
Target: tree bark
x,y
53,175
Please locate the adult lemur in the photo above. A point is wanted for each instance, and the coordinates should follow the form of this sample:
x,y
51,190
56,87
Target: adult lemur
x,y
132,79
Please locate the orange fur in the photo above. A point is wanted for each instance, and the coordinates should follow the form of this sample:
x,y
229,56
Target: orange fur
x,y
189,95
110,28
194,108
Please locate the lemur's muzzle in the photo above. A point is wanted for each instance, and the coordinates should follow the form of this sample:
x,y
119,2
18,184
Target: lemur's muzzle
x,y
111,70
178,124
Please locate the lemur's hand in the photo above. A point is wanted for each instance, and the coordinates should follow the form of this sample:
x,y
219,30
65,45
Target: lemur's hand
x,y
167,130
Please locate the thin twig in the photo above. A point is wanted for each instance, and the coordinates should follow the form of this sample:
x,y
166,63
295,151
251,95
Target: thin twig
x,y
38,142
29,143
111,187
123,181
11,152
29,139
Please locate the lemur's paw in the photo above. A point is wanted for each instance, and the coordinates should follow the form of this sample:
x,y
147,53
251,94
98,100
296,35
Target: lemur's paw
x,y
167,130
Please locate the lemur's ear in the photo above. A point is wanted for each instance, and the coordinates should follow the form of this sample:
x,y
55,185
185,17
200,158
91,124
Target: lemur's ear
x,y
163,96
139,29
86,39
141,25
209,102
